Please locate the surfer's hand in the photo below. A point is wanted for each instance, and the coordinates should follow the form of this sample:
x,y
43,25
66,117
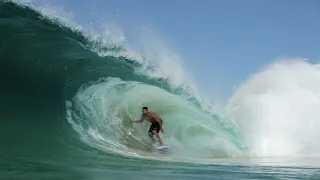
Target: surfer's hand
x,y
162,131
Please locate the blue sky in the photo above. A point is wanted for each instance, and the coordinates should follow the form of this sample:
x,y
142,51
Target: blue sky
x,y
221,42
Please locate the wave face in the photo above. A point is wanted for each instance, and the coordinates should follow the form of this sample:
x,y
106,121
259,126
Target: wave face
x,y
70,92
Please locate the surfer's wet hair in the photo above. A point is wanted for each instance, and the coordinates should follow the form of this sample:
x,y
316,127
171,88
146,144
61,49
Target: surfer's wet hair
x,y
145,108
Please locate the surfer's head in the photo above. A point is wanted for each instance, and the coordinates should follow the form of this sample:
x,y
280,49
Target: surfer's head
x,y
145,110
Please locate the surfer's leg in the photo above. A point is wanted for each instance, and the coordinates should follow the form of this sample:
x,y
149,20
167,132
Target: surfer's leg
x,y
157,136
151,136
150,132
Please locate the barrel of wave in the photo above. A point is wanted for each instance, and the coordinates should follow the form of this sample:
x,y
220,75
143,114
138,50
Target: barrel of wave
x,y
109,104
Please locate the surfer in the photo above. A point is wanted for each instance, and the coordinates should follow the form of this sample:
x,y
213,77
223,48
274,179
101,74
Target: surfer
x,y
156,123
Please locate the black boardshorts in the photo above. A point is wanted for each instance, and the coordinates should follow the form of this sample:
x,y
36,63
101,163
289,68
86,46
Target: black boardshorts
x,y
154,126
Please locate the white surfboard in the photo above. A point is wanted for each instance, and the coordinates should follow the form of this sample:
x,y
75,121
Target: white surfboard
x,y
161,147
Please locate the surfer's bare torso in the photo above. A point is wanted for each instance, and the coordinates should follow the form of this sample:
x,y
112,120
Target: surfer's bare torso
x,y
151,117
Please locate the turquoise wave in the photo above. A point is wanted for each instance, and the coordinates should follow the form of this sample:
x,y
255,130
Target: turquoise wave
x,y
70,91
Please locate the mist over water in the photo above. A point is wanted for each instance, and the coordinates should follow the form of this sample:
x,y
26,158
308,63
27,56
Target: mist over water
x,y
277,110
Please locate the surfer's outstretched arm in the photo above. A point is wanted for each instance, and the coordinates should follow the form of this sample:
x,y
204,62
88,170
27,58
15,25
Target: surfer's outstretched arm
x,y
139,121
